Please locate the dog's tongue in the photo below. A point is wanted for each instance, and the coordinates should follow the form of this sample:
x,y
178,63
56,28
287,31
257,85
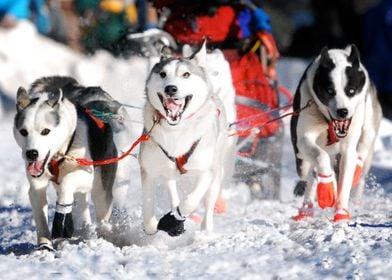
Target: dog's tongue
x,y
341,127
173,106
35,168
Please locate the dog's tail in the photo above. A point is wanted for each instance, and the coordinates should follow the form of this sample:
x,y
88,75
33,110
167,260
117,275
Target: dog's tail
x,y
52,83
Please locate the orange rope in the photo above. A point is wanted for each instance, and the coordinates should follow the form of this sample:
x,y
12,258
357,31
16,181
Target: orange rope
x,y
86,162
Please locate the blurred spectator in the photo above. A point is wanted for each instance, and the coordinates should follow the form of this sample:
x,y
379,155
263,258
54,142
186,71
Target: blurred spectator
x,y
35,10
377,51
335,24
105,23
65,23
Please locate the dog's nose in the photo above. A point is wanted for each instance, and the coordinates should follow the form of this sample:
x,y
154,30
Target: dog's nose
x,y
32,154
171,90
342,112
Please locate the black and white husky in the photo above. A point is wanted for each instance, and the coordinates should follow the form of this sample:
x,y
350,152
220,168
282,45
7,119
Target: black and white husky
x,y
334,132
189,137
52,125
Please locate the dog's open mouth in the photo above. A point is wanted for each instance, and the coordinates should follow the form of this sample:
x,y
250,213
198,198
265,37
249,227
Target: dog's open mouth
x,y
341,127
37,168
174,107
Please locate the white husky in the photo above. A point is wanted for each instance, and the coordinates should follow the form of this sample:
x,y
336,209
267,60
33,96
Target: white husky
x,y
188,130
333,134
51,125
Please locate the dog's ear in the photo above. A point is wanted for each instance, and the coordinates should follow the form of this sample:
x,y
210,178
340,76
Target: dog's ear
x,y
166,53
354,56
200,56
187,50
22,99
325,60
54,97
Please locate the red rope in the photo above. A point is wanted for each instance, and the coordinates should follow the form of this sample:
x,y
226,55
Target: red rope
x,y
271,120
86,162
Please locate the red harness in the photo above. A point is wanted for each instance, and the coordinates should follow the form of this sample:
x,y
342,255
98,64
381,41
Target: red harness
x,y
54,169
183,159
54,163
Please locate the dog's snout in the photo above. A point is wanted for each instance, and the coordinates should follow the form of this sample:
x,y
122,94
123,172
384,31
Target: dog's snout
x,y
32,154
342,112
171,90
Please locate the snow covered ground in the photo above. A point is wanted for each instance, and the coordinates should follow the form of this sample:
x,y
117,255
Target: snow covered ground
x,y
255,239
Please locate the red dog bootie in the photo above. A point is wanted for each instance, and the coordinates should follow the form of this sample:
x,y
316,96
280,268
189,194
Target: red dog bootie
x,y
306,211
220,205
325,191
358,172
341,215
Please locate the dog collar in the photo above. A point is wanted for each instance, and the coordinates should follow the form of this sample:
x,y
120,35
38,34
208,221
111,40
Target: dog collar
x,y
183,159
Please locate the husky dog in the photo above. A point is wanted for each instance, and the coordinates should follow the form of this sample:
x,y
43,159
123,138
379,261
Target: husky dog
x,y
219,73
188,136
333,135
51,125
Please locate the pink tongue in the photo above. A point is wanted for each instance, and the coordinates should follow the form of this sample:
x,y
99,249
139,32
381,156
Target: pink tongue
x,y
35,168
172,106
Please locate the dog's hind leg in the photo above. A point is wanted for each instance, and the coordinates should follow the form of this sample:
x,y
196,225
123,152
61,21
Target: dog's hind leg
x,y
81,212
210,199
309,184
192,200
150,223
103,201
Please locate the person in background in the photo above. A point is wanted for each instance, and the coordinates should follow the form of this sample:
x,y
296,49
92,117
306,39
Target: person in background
x,y
377,51
11,11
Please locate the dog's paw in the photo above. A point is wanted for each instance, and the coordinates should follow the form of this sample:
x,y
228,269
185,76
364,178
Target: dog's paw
x,y
172,223
46,247
342,215
306,211
150,226
45,244
300,188
62,225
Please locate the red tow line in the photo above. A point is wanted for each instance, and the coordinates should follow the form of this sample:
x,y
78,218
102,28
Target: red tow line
x,y
146,137
86,162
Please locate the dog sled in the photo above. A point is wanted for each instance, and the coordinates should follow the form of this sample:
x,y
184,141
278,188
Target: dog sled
x,y
243,33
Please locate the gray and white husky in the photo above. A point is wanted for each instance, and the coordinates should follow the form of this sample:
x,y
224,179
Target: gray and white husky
x,y
188,137
333,135
52,125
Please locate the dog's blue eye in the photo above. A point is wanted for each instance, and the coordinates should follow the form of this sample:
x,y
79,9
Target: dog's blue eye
x,y
45,131
186,75
162,74
23,132
331,91
351,91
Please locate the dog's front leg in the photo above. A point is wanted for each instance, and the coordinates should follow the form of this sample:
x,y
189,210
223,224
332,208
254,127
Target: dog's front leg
x,y
63,226
326,181
39,204
173,222
346,169
173,193
149,219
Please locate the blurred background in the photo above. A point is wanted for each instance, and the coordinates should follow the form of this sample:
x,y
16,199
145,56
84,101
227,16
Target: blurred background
x,y
300,27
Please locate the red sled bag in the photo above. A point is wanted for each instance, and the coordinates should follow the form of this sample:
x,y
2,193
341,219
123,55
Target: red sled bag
x,y
255,96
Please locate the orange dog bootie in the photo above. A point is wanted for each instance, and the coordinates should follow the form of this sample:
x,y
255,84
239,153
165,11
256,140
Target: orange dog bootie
x,y
341,215
306,211
325,191
220,205
358,172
